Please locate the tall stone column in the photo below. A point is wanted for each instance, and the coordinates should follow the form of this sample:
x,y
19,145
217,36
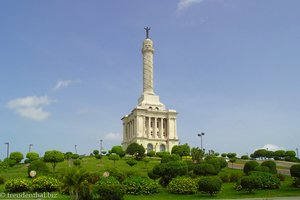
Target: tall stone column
x,y
155,127
161,128
148,51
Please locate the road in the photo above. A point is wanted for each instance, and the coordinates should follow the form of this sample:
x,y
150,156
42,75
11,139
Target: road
x,y
284,167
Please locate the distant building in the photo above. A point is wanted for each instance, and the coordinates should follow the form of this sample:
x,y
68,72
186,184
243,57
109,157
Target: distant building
x,y
150,123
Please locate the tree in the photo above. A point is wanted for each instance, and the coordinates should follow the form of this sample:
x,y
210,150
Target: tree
x,y
232,158
260,153
68,156
245,157
170,170
74,156
197,154
224,155
53,157
96,152
181,150
118,150
73,181
137,150
210,185
114,157
39,166
17,156
289,155
31,156
231,155
131,162
279,154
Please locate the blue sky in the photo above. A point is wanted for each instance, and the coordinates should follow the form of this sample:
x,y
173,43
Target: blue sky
x,y
70,70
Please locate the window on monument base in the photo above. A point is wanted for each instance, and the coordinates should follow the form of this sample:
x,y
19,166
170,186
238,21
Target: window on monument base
x,y
162,148
149,147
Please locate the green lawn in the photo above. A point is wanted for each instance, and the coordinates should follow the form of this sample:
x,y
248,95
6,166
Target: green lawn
x,y
94,165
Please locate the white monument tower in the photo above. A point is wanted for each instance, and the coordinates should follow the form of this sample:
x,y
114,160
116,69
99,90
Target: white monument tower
x,y
150,123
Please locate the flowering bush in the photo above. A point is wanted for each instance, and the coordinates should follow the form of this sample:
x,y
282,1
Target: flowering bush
x,y
183,185
17,185
45,184
140,185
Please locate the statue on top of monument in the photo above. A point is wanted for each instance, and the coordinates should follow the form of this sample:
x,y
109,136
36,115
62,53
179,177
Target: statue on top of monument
x,y
147,31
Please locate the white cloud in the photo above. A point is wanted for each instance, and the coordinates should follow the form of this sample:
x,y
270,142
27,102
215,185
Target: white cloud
x,y
63,83
184,4
31,107
34,113
30,101
113,136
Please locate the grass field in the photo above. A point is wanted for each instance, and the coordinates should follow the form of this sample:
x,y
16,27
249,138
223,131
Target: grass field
x,y
93,165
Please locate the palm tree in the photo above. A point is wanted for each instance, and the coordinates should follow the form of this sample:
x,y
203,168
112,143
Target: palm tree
x,y
74,180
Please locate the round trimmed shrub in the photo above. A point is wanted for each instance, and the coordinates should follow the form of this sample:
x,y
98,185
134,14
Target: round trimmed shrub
x,y
271,165
250,166
170,170
138,185
205,169
295,170
216,163
169,158
17,156
131,162
210,185
17,185
182,185
39,166
223,162
250,183
45,184
151,153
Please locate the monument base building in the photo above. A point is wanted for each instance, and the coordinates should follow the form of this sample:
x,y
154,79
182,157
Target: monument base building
x,y
150,123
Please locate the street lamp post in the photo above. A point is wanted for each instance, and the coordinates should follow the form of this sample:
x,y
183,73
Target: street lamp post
x,y
200,135
76,148
30,145
297,153
7,151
